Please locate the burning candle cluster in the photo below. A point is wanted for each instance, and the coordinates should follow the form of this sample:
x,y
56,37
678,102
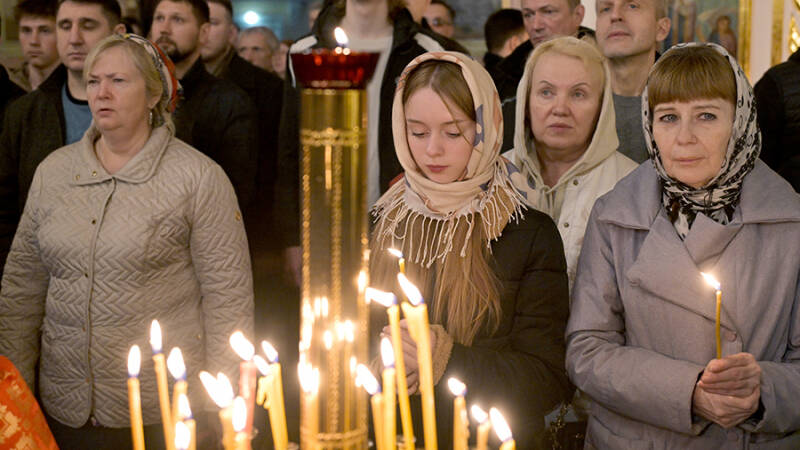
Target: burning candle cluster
x,y
235,415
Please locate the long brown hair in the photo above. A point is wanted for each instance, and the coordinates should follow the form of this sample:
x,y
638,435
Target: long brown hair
x,y
464,290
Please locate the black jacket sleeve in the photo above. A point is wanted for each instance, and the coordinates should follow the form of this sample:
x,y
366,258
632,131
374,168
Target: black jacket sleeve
x,y
287,195
9,185
769,106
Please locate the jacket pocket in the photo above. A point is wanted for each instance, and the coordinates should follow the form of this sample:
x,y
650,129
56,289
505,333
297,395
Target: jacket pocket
x,y
600,437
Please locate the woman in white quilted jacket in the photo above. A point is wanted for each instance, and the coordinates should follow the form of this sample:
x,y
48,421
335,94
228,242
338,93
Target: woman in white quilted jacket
x,y
125,226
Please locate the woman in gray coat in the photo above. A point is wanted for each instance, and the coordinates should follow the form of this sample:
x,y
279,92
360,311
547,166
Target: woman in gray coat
x,y
641,337
123,227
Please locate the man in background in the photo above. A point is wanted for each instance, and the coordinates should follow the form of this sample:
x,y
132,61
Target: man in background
x,y
628,34
503,31
37,37
257,45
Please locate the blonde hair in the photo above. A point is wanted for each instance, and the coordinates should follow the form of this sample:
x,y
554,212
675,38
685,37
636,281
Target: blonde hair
x,y
690,73
147,69
465,290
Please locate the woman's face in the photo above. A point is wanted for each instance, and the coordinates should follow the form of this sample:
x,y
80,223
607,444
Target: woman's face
x,y
440,142
116,93
564,103
693,138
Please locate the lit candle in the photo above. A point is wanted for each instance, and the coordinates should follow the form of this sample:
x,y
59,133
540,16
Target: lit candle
x,y
221,391
239,423
161,380
502,430
389,429
460,424
178,370
365,378
389,300
182,436
484,425
261,391
342,40
401,260
185,416
416,313
247,375
134,398
277,411
309,384
715,284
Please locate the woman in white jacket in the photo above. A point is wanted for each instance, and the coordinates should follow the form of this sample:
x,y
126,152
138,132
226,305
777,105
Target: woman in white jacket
x,y
565,139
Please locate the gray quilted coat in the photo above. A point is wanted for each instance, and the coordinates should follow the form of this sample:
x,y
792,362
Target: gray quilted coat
x,y
97,257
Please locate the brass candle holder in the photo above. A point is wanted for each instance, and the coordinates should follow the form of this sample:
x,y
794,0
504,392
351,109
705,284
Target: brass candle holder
x,y
333,178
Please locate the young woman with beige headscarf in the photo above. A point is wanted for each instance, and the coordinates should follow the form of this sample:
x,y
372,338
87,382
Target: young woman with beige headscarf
x,y
491,270
565,138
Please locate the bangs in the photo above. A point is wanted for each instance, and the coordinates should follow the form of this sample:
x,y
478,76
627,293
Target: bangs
x,y
691,73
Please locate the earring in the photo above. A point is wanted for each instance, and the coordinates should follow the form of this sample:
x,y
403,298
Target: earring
x,y
151,117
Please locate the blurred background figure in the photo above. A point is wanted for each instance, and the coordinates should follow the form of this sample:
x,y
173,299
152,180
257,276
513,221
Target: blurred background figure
x,y
279,58
441,18
37,37
313,12
256,45
724,35
503,31
418,9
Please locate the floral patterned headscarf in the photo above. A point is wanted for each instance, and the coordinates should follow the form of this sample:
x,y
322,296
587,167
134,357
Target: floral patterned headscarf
x,y
719,197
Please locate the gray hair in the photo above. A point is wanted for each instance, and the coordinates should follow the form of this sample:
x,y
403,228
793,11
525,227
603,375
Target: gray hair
x,y
272,40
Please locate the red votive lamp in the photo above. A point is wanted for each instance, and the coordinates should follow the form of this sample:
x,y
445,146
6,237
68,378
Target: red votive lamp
x,y
338,68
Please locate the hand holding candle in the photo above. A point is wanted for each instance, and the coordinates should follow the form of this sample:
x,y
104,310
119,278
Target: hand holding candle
x,y
134,398
389,300
460,423
417,317
160,367
484,425
247,375
715,284
503,431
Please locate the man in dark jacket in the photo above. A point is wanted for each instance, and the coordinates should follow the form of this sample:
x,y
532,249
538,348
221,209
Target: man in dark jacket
x,y
389,24
213,115
778,103
503,31
265,89
55,114
543,19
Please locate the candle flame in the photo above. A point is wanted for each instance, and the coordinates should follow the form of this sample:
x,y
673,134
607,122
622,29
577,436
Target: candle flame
x,y
239,414
711,281
365,378
183,407
155,336
479,414
182,435
348,330
225,389
456,386
134,361
219,392
325,306
261,364
387,353
175,364
411,291
386,299
269,350
341,36
500,425
327,339
395,252
242,346
353,363
309,377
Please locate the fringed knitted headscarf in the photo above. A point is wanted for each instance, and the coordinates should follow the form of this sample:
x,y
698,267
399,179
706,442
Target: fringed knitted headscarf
x,y
423,217
719,197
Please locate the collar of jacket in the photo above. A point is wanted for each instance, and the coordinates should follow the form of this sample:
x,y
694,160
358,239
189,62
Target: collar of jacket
x,y
55,81
88,170
764,199
196,76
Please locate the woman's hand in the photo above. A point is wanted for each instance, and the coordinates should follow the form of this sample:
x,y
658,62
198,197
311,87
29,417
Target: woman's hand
x,y
735,375
409,354
729,390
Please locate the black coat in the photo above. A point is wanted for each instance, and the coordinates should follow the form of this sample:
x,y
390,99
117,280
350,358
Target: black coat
x,y
33,127
9,91
217,118
519,369
265,89
407,44
778,104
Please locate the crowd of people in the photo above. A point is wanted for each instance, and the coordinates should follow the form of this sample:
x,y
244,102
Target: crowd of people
x,y
556,203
